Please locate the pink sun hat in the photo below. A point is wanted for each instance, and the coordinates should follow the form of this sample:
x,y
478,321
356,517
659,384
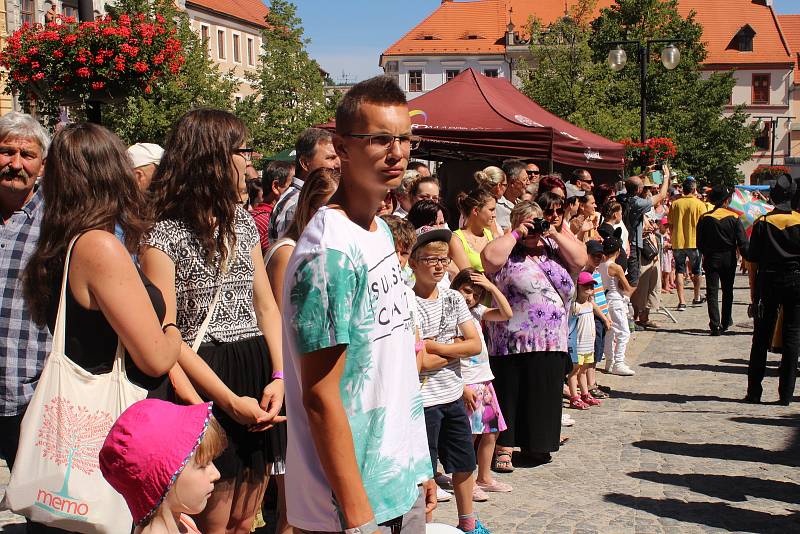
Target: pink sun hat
x,y
148,447
585,279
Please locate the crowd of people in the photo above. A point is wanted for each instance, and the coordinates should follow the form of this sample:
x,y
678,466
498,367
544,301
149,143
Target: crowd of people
x,y
322,325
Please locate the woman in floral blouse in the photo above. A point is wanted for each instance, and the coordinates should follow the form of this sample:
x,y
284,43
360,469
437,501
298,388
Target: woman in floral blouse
x,y
532,268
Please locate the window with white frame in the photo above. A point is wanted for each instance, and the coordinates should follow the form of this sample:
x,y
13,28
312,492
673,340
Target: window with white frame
x,y
491,73
415,81
449,74
205,37
251,52
237,49
28,11
221,44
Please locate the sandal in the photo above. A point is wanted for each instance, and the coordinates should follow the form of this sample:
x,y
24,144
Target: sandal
x,y
591,401
502,466
598,393
576,403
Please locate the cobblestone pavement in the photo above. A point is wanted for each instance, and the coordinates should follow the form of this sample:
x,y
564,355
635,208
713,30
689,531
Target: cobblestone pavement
x,y
673,451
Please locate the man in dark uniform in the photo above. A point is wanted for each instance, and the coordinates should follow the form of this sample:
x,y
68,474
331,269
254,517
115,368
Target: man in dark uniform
x,y
719,234
775,249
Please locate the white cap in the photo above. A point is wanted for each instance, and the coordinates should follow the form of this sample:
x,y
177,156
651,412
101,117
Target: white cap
x,y
142,154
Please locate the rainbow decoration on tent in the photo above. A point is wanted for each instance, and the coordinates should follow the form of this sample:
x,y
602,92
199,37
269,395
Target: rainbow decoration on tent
x,y
418,112
749,207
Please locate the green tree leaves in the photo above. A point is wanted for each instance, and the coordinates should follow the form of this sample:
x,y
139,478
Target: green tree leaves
x,y
572,80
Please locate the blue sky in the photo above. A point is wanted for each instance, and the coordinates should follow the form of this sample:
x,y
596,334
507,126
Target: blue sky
x,y
349,35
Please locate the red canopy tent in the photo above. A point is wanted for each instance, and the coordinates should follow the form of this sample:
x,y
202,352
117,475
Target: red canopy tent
x,y
475,117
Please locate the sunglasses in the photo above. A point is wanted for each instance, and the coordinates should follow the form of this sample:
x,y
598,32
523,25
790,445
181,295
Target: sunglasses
x,y
532,173
553,211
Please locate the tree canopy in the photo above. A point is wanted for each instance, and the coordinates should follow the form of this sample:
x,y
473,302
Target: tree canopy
x,y
570,78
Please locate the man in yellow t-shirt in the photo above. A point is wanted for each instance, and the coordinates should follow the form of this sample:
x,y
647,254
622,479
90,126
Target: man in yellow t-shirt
x,y
683,217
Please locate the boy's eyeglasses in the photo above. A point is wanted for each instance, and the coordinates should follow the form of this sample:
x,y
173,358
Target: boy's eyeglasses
x,y
432,262
385,141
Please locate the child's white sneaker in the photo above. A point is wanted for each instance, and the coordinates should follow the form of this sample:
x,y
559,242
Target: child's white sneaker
x,y
442,495
566,420
620,369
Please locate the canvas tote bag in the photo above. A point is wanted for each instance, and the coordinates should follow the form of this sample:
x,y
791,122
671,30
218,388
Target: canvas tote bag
x,y
56,478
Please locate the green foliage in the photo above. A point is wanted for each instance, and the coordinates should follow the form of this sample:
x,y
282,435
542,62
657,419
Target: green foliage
x,y
289,85
572,80
149,117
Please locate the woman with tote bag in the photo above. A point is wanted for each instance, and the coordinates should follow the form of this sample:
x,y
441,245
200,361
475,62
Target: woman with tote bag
x,y
109,346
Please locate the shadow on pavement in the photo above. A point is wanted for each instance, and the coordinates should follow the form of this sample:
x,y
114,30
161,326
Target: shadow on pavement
x,y
727,487
712,514
726,451
702,332
669,397
785,420
734,369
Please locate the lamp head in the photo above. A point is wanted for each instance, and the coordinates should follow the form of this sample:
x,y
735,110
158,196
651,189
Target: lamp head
x,y
670,56
617,58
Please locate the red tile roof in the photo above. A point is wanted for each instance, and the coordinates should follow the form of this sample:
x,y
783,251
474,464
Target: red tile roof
x,y
447,29
252,11
443,32
722,20
790,24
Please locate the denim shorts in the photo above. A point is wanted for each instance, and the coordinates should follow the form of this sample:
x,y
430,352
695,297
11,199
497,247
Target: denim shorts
x,y
681,255
450,437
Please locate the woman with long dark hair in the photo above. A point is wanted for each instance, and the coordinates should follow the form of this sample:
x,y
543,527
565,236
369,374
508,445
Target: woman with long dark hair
x,y
90,190
204,253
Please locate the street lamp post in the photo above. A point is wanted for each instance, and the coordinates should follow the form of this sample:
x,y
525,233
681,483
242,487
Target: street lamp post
x,y
773,121
617,58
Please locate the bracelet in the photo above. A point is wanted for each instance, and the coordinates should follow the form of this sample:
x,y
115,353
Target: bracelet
x,y
515,234
277,375
367,528
419,345
173,325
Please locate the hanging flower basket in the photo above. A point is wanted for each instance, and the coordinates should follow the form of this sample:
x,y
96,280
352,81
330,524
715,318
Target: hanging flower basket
x,y
765,173
653,151
104,60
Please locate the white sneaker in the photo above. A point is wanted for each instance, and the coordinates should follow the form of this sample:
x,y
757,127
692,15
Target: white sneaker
x,y
442,495
444,481
566,420
620,369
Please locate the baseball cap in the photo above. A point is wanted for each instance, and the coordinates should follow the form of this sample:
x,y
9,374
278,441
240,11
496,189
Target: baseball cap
x,y
585,279
142,154
430,234
594,247
148,447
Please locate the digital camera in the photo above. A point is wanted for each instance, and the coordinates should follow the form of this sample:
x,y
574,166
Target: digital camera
x,y
538,226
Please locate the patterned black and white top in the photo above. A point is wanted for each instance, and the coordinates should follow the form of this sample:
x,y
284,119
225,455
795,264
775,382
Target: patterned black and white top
x,y
196,281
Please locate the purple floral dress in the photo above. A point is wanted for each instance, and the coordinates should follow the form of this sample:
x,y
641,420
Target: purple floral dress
x,y
537,289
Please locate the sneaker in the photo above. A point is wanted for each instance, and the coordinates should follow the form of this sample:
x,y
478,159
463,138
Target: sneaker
x,y
576,403
495,486
478,495
479,529
444,481
442,495
620,369
566,420
681,307
698,301
591,401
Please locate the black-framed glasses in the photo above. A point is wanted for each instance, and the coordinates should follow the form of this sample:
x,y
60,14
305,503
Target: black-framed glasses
x,y
431,261
553,211
589,181
246,153
385,141
532,173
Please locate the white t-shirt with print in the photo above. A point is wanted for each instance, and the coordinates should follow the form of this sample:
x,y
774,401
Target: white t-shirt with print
x,y
344,287
439,319
476,369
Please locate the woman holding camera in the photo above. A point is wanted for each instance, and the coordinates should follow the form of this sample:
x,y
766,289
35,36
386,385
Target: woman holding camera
x,y
532,266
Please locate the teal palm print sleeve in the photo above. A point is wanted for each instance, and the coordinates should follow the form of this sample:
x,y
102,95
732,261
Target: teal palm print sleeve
x,y
324,288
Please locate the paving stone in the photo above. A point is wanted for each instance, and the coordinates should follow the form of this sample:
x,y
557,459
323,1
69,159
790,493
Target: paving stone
x,y
672,452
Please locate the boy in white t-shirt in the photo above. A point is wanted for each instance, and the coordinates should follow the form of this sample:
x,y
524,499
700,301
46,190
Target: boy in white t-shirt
x,y
449,334
355,416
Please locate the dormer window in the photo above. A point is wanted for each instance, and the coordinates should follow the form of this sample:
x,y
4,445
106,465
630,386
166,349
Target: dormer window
x,y
472,36
428,37
743,41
